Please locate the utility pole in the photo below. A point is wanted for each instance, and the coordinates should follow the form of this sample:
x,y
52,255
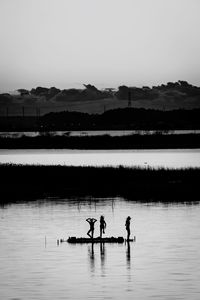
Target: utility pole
x,y
37,112
38,117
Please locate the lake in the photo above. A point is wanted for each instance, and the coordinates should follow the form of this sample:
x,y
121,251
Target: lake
x,y
175,158
163,263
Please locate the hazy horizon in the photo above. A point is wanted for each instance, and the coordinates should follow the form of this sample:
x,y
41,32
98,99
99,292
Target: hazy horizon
x,y
67,43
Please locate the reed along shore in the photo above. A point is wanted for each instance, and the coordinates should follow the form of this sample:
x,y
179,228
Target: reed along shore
x,y
135,141
29,182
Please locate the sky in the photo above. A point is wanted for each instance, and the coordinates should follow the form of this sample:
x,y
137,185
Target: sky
x,y
67,43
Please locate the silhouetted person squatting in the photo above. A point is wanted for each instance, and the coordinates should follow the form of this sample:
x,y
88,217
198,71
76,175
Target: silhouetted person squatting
x,y
102,226
91,221
127,224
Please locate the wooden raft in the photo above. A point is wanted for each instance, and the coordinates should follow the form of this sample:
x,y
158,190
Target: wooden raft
x,y
82,240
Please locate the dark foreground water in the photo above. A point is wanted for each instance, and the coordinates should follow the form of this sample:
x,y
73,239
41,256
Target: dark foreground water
x,y
163,263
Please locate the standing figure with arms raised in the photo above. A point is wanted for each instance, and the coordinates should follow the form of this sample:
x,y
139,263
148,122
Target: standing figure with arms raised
x,y
91,222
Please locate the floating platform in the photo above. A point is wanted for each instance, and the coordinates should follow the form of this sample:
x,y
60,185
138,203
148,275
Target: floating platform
x,y
83,240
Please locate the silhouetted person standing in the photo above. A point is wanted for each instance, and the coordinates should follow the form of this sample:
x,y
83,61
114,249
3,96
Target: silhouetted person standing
x,y
91,222
102,226
127,225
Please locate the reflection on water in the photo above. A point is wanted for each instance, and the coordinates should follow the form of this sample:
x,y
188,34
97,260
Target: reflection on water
x,y
128,254
19,134
162,263
103,256
95,255
91,257
100,254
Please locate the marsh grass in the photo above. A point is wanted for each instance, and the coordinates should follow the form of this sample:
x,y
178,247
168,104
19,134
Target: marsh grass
x,y
135,141
35,181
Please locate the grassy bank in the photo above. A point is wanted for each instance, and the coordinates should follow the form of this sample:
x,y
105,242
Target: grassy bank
x,y
21,182
136,141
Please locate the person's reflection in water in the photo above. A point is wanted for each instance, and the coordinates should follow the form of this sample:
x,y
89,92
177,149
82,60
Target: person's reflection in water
x,y
128,268
91,257
128,262
128,255
103,258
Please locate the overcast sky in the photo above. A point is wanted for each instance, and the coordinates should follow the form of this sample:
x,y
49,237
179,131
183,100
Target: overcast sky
x,y
66,43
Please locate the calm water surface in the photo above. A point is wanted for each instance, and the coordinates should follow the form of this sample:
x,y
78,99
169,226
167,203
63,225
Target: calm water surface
x,y
163,263
154,158
17,134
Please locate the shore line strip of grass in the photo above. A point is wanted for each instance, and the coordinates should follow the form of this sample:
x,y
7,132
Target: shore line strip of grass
x,y
136,141
30,182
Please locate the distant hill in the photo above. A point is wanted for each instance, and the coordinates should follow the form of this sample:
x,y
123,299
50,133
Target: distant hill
x,y
123,119
115,119
42,100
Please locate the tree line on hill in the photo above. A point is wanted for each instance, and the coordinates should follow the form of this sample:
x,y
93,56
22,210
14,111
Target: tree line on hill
x,y
119,119
172,95
179,89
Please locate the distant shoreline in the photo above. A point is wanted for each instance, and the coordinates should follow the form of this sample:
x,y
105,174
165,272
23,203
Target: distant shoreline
x,y
104,142
24,183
